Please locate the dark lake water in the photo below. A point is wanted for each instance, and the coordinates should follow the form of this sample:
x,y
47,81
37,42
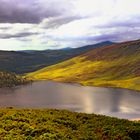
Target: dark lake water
x,y
120,103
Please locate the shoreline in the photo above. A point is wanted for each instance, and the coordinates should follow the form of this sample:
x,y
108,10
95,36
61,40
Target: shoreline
x,y
80,84
67,110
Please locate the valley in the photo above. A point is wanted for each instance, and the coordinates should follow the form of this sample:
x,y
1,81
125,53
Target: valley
x,y
34,93
69,69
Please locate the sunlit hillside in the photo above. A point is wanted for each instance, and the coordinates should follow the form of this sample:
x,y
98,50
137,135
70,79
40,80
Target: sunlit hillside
x,y
116,65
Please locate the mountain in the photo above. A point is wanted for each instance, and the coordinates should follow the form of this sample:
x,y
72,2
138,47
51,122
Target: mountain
x,y
27,61
116,65
27,51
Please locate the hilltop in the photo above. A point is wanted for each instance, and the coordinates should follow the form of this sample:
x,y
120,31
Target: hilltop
x,y
116,65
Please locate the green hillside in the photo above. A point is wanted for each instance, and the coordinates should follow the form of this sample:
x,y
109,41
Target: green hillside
x,y
45,124
28,61
11,79
116,65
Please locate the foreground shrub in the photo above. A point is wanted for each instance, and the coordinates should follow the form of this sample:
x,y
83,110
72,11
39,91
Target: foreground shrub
x,y
50,124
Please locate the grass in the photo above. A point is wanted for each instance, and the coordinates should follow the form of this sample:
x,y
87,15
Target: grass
x,y
48,124
110,66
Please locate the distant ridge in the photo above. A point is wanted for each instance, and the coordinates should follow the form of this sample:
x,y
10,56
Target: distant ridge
x,y
30,60
86,47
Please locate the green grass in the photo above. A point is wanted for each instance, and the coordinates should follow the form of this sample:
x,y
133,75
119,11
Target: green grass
x,y
48,124
110,66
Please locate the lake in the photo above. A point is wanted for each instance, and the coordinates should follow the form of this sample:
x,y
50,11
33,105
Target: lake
x,y
115,102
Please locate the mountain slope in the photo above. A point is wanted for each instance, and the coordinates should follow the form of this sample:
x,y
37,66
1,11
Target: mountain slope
x,y
28,61
116,65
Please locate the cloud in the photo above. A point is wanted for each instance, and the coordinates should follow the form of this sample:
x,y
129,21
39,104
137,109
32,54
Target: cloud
x,y
18,35
30,11
55,22
129,22
43,24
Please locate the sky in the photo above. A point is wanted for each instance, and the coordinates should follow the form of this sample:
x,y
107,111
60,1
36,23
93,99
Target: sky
x,y
54,24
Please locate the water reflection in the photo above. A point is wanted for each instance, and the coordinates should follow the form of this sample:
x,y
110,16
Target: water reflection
x,y
44,94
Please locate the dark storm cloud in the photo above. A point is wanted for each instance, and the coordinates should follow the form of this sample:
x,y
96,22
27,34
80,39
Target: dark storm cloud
x,y
30,11
18,35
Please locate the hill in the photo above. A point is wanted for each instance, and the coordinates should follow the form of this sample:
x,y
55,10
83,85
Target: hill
x,y
116,65
27,61
47,124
